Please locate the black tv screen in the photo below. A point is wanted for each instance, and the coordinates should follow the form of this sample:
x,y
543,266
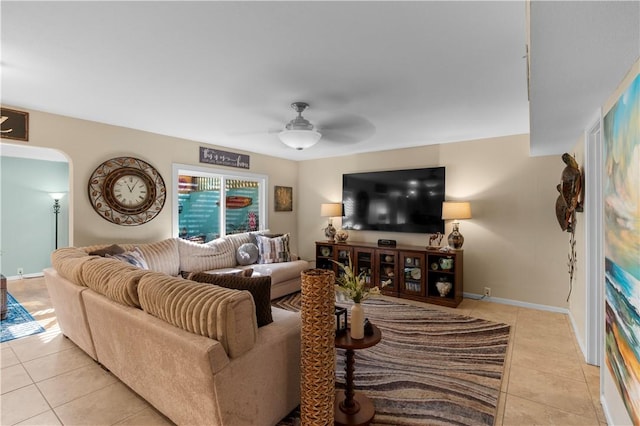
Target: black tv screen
x,y
394,201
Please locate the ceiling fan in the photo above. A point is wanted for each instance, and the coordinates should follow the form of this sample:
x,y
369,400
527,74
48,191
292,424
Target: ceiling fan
x,y
299,132
332,128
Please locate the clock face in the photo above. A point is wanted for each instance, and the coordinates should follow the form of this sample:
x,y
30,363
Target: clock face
x,y
127,191
130,191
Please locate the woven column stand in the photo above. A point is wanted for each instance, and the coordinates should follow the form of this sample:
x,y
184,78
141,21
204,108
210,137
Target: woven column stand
x,y
318,355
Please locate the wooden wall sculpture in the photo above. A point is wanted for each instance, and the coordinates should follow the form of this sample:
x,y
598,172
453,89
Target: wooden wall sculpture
x,y
569,202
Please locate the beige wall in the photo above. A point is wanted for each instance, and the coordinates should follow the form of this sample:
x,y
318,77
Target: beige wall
x,y
513,244
87,144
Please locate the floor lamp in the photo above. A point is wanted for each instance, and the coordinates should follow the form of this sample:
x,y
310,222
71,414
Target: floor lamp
x,y
57,196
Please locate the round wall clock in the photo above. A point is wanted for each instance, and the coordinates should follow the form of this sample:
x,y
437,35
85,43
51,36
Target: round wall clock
x,y
127,191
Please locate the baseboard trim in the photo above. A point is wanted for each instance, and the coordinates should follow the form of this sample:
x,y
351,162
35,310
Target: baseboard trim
x,y
583,348
25,276
516,303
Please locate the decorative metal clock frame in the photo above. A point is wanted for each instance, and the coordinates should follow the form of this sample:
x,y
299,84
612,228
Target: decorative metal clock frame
x,y
106,202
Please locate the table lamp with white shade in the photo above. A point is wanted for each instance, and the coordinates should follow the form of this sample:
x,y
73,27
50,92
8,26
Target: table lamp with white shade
x,y
330,210
456,210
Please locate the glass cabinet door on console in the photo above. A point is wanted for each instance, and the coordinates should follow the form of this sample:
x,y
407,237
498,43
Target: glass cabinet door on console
x,y
324,256
387,270
343,253
363,264
412,280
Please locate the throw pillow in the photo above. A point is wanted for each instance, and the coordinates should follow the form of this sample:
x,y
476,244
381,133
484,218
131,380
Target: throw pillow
x,y
247,254
259,287
112,249
273,250
241,273
133,257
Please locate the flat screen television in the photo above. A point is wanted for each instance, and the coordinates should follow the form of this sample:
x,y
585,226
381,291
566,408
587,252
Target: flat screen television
x,y
394,201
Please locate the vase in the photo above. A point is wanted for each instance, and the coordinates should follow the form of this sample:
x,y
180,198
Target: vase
x,y
341,235
444,287
357,321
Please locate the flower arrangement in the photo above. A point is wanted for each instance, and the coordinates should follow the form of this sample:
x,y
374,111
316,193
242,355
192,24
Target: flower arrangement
x,y
354,286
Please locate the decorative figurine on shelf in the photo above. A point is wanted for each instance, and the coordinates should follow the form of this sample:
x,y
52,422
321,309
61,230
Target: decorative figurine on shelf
x,y
446,263
437,237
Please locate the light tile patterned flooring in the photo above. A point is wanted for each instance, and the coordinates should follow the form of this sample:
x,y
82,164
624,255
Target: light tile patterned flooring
x,y
47,380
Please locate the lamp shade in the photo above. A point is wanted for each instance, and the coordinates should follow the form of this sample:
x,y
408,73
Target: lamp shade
x,y
456,210
56,195
299,139
331,210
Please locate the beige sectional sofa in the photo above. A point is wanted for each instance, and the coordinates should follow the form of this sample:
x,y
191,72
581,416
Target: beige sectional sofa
x,y
192,350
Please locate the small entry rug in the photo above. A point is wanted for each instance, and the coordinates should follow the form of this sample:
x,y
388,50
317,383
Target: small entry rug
x,y
18,322
431,367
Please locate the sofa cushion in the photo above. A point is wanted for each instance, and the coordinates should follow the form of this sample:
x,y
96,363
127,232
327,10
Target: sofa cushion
x,y
225,315
247,254
161,256
216,254
114,279
133,257
68,262
281,272
259,287
273,250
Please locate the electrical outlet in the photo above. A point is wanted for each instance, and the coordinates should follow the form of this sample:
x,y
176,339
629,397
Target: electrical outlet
x,y
20,271
487,292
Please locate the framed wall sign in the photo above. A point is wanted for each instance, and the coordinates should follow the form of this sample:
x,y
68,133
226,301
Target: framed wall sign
x,y
223,158
14,124
283,198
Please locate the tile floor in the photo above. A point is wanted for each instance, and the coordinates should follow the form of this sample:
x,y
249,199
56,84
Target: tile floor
x,y
47,380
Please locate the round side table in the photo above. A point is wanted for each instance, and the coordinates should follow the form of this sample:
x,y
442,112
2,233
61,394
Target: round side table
x,y
351,407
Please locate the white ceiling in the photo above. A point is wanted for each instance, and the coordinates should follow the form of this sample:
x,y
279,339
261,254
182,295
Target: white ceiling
x,y
401,74
580,52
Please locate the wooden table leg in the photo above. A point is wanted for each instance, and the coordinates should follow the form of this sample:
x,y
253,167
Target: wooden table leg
x,y
350,405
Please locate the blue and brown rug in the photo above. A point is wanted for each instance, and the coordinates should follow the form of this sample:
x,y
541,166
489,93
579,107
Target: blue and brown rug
x,y
431,367
18,322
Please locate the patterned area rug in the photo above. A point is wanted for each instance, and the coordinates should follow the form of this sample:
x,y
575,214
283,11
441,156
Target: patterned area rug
x,y
430,368
18,322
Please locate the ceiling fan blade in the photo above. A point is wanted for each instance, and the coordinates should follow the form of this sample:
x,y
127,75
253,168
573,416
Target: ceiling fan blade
x,y
272,130
347,128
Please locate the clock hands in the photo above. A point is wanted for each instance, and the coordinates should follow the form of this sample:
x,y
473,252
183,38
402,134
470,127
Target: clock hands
x,y
131,188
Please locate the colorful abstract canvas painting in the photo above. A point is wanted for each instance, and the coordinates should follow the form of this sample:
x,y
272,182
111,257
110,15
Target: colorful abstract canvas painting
x,y
621,135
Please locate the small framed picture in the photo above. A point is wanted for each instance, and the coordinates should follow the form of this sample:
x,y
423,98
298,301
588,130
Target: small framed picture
x,y
283,198
14,124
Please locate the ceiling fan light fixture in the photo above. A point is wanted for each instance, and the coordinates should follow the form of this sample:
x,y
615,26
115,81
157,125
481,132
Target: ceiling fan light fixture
x,y
299,133
299,139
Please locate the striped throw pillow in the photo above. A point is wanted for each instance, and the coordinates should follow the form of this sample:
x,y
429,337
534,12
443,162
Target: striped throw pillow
x,y
273,250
